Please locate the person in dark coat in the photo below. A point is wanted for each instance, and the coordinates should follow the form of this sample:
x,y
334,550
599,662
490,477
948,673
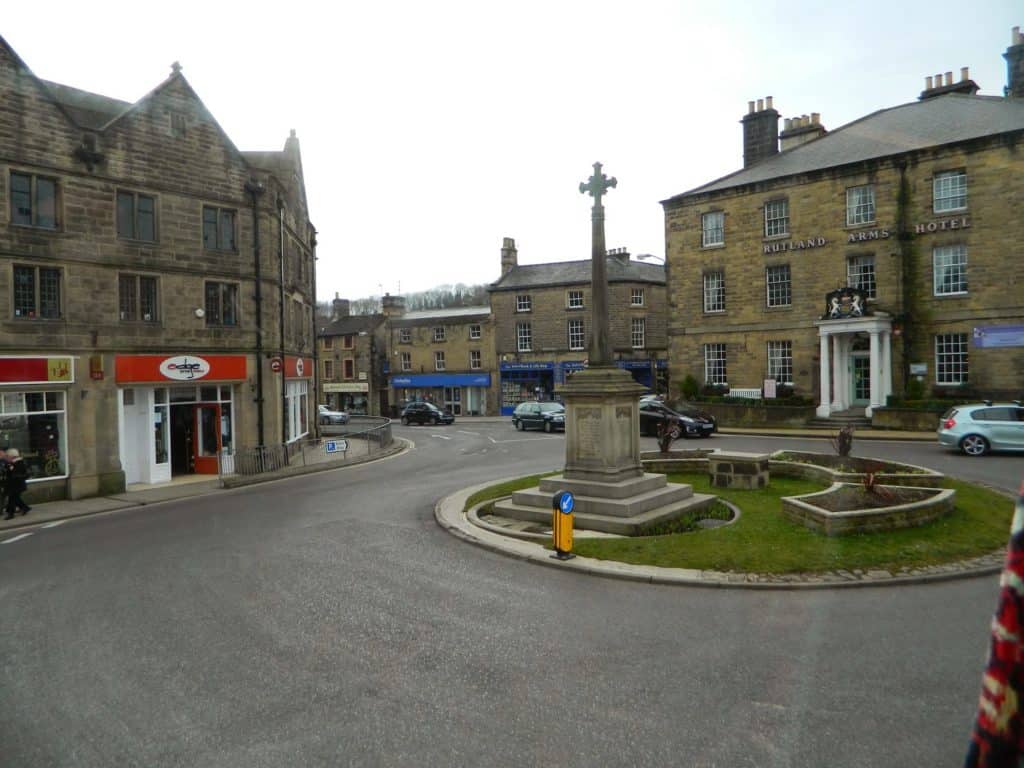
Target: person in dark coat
x,y
17,477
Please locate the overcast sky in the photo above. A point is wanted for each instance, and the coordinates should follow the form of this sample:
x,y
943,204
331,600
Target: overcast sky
x,y
431,130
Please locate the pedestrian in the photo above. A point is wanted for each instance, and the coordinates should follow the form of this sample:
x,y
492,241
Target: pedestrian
x,y
17,476
5,476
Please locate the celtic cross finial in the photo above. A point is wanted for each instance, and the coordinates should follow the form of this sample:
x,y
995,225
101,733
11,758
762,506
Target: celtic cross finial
x,y
597,185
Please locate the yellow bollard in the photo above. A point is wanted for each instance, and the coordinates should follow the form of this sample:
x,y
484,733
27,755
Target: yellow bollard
x,y
562,504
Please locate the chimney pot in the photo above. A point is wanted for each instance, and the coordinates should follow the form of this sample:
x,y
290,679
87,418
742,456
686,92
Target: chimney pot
x,y
760,105
928,83
787,124
964,74
938,80
1015,36
815,118
949,78
750,107
768,102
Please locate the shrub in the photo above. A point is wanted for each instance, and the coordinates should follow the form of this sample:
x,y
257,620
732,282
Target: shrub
x,y
689,387
843,441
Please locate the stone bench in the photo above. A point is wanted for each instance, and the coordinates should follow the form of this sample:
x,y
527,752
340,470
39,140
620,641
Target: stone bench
x,y
734,469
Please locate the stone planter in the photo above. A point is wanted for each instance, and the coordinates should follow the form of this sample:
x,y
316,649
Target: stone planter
x,y
919,506
888,472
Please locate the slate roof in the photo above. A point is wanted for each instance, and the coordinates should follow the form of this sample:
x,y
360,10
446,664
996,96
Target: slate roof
x,y
936,121
88,110
577,273
351,325
451,313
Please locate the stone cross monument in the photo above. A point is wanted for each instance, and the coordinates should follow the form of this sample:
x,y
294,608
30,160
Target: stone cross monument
x,y
600,351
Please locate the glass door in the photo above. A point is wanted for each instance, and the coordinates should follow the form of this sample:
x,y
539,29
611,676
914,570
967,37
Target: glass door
x,y
208,432
453,400
861,379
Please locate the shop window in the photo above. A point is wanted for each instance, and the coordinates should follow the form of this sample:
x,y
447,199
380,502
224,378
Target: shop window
x,y
33,201
36,424
136,216
37,292
296,405
218,229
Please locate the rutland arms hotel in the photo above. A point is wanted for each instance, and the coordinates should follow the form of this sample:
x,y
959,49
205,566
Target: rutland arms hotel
x,y
156,287
848,263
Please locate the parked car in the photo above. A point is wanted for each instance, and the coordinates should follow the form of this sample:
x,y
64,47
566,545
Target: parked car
x,y
979,428
687,420
425,413
549,416
327,416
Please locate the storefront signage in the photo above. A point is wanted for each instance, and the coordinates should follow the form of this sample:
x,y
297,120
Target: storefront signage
x,y
527,366
184,368
34,370
160,368
443,380
298,367
943,225
354,386
844,303
868,234
275,364
999,336
795,245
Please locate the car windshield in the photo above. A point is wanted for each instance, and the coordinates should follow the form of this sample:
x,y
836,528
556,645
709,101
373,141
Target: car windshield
x,y
551,407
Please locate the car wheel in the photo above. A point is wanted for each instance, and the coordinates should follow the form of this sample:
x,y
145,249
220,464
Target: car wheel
x,y
520,426
676,432
433,420
405,420
974,445
547,426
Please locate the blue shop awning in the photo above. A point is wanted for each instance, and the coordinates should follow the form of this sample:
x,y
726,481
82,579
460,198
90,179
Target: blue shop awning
x,y
442,380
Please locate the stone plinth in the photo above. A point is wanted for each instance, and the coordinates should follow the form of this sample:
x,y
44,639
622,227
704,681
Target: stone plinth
x,y
602,425
738,470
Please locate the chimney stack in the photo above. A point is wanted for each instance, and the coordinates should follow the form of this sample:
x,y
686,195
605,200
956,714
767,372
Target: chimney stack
x,y
509,256
760,132
939,85
800,130
392,306
1015,65
340,307
619,254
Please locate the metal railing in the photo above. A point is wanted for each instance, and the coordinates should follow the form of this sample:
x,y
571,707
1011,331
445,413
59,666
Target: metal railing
x,y
354,440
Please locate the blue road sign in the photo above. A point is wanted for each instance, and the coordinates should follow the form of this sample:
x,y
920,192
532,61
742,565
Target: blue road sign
x,y
566,503
334,446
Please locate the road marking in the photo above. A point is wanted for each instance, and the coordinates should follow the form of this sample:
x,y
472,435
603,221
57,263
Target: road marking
x,y
464,432
520,440
443,437
16,538
54,524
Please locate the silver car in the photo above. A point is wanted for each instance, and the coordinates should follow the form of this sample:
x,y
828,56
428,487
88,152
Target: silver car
x,y
979,428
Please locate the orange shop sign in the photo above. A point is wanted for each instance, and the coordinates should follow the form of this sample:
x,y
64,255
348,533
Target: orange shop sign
x,y
36,370
178,368
298,367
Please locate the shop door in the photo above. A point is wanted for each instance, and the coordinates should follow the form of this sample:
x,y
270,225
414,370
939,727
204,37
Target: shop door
x,y
861,378
208,440
453,400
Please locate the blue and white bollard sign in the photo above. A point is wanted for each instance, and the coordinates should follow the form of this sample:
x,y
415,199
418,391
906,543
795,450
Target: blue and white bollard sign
x,y
336,446
562,504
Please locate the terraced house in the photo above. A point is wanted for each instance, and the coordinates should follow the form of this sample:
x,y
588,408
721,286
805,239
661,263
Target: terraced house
x,y
860,262
542,313
156,286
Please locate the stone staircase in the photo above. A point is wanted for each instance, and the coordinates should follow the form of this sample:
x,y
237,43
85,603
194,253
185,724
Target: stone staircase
x,y
853,417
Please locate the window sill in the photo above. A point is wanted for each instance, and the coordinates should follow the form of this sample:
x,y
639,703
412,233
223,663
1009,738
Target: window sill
x,y
851,227
716,311
45,319
957,295
574,309
137,241
948,211
712,246
773,238
37,227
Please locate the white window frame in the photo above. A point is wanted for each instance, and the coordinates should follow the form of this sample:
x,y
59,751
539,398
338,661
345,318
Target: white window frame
x,y
858,274
405,359
475,360
860,205
951,359
636,297
296,402
524,303
776,218
405,335
574,299
949,260
524,337
474,332
949,191
715,363
638,332
439,363
14,407
577,334
778,291
780,362
439,333
714,291
712,229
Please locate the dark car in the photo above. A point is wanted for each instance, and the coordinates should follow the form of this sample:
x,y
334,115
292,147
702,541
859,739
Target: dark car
x,y
548,416
686,420
425,413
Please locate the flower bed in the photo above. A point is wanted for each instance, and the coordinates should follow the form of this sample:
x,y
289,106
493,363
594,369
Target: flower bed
x,y
852,469
848,508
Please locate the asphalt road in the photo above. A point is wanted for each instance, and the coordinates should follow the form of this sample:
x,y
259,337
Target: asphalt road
x,y
327,620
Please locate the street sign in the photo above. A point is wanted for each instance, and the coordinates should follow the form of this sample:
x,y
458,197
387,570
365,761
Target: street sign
x,y
336,446
562,504
566,503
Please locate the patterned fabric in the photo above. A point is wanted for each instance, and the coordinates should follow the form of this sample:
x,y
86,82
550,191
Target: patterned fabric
x,y
998,738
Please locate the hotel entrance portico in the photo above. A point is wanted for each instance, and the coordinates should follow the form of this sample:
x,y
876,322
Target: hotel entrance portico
x,y
847,374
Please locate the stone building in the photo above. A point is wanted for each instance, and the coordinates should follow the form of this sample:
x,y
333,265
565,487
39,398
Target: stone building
x,y
352,360
445,356
542,313
144,321
877,258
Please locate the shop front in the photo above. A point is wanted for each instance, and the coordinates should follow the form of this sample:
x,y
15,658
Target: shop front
x,y
33,412
459,393
521,382
176,413
348,396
